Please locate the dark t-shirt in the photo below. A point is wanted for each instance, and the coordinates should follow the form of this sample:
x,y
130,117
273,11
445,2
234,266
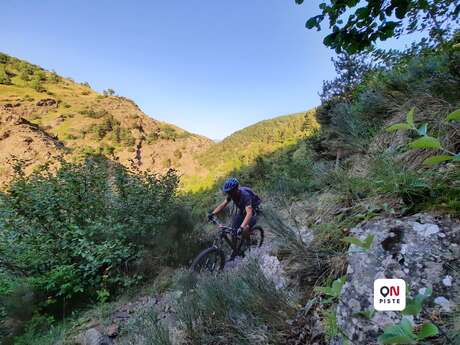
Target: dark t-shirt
x,y
246,198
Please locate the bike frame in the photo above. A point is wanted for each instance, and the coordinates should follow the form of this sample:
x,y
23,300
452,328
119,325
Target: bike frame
x,y
223,235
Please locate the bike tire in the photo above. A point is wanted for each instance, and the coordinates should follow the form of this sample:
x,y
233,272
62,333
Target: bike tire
x,y
197,264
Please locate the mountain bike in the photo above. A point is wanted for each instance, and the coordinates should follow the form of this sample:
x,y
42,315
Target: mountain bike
x,y
213,258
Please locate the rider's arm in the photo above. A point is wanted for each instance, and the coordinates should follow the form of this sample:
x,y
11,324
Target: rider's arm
x,y
221,206
248,217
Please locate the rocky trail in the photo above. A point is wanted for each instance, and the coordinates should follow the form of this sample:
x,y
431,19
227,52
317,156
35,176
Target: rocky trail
x,y
163,306
422,249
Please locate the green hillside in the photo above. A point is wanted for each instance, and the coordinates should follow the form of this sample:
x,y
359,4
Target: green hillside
x,y
244,147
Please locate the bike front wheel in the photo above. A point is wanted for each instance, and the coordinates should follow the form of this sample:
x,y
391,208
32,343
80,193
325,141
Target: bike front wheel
x,y
209,260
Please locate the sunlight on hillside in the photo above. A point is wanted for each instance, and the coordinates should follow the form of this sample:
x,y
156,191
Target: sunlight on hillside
x,y
241,149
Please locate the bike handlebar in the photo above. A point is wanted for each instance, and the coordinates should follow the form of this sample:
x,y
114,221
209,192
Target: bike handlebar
x,y
215,221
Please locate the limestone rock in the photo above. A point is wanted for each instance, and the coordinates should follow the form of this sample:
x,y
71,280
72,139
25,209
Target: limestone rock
x,y
421,249
93,337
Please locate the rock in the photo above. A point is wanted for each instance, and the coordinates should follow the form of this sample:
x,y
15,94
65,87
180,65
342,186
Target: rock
x,y
444,303
112,330
408,248
46,102
121,315
425,229
272,269
447,281
93,337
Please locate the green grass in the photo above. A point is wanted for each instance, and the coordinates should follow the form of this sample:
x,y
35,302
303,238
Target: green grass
x,y
238,307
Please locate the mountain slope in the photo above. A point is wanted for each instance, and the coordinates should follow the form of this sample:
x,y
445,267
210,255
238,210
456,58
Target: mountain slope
x,y
243,147
43,115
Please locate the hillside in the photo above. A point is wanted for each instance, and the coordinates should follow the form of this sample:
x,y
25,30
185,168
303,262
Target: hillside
x,y
43,115
242,148
365,196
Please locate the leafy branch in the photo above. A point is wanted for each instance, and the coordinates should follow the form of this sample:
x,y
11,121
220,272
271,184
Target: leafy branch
x,y
333,292
403,332
425,141
364,244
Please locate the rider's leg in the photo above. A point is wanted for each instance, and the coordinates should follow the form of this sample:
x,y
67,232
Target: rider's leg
x,y
246,235
236,223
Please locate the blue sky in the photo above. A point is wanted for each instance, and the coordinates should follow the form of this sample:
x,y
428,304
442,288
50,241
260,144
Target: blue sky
x,y
211,67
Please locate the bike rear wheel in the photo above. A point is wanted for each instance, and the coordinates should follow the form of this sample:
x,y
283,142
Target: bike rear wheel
x,y
209,260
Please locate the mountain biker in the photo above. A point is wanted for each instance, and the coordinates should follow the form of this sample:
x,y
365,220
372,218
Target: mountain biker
x,y
247,203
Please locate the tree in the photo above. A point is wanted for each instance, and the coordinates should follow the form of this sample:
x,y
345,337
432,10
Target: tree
x,y
356,28
350,69
4,77
108,92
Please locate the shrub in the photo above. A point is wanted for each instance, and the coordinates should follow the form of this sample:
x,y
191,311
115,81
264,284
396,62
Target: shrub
x,y
352,128
389,177
146,329
94,114
152,137
237,307
26,70
4,77
123,136
168,133
108,92
36,84
106,126
309,262
86,228
4,58
54,77
40,75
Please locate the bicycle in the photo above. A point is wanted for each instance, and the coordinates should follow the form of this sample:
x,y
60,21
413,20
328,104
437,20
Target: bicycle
x,y
213,257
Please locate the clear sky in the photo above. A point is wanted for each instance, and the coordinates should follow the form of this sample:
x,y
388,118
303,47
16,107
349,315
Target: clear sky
x,y
210,67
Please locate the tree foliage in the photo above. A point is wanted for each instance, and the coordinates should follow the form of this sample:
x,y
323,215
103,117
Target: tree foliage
x,y
356,25
351,70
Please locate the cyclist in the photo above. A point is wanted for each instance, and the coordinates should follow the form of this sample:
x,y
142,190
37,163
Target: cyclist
x,y
247,203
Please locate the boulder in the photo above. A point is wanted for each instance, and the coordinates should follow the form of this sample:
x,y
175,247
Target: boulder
x,y
46,102
421,249
93,337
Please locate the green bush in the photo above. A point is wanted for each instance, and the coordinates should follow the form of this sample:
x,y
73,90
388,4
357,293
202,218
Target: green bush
x,y
36,84
427,78
94,114
90,227
4,77
168,133
107,125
